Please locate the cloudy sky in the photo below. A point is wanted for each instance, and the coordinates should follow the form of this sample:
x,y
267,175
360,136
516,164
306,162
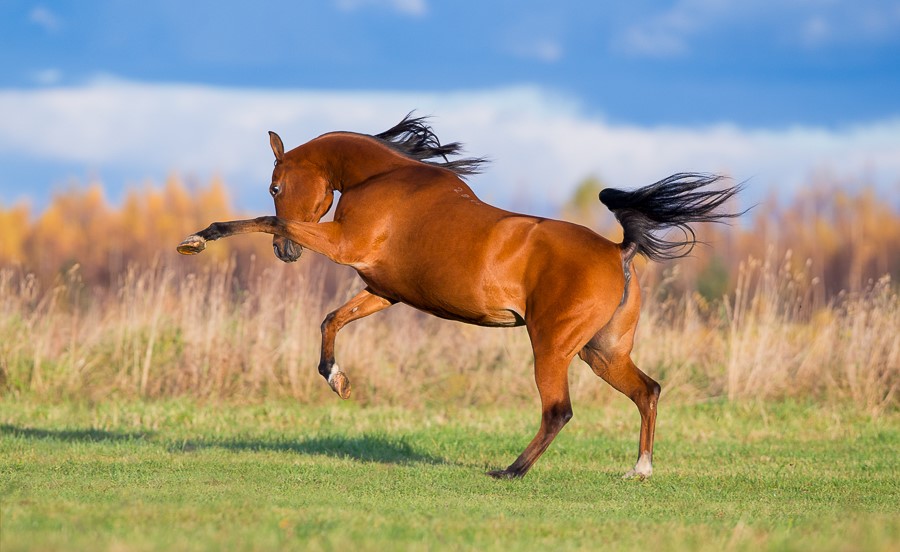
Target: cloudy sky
x,y
774,91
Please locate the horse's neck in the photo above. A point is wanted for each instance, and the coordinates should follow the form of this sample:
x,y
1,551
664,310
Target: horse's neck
x,y
355,158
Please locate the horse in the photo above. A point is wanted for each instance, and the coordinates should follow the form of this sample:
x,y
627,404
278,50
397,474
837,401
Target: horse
x,y
416,233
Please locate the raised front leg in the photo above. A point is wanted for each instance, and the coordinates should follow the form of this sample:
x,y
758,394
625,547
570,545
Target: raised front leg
x,y
363,304
322,238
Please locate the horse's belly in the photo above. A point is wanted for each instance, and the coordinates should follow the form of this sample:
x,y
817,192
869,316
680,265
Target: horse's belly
x,y
502,318
473,303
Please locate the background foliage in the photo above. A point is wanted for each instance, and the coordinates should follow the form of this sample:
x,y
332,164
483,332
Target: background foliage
x,y
798,299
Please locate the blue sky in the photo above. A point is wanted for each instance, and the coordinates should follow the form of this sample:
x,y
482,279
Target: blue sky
x,y
771,90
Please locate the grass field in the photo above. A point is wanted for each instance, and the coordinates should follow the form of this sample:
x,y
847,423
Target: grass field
x,y
186,475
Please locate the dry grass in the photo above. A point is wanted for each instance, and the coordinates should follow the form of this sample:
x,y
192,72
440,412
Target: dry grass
x,y
772,338
157,334
86,311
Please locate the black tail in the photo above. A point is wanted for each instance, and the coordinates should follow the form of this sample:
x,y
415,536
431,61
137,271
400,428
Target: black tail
x,y
673,202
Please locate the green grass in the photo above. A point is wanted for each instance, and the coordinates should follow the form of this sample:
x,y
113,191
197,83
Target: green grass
x,y
183,475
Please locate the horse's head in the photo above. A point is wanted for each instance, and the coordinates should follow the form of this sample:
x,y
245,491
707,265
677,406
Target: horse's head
x,y
301,191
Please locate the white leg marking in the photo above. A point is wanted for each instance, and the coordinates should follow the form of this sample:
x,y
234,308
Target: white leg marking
x,y
334,370
642,469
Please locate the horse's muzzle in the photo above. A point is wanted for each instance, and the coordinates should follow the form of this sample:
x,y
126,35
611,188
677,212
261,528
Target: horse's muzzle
x,y
286,250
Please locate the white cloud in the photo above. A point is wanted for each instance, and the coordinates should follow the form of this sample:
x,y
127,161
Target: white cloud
x,y
408,7
541,144
543,49
641,41
667,33
671,31
816,30
47,77
533,35
45,18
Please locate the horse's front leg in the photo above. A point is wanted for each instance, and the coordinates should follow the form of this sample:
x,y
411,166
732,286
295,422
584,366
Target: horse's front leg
x,y
363,304
322,238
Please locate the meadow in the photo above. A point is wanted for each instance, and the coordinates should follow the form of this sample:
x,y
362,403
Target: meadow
x,y
150,401
183,475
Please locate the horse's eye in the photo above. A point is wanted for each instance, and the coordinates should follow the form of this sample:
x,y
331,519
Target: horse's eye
x,y
274,189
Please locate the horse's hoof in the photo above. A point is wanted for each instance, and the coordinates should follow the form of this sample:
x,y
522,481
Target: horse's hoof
x,y
340,384
504,474
642,470
633,475
192,245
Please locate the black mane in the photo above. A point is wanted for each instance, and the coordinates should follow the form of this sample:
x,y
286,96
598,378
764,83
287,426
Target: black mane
x,y
414,138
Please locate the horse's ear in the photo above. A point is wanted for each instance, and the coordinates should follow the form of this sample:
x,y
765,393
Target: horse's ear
x,y
277,146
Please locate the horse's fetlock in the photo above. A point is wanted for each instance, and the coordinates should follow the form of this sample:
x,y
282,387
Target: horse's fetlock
x,y
325,368
212,232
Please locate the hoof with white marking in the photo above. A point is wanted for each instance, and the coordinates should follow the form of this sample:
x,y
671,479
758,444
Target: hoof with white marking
x,y
339,383
642,470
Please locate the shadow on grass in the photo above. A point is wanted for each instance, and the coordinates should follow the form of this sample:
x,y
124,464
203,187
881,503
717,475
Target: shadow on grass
x,y
364,448
72,435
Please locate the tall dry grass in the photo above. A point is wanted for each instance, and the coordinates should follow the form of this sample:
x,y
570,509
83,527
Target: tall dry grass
x,y
94,302
773,338
161,335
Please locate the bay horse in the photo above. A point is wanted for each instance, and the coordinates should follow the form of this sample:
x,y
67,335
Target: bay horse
x,y
417,234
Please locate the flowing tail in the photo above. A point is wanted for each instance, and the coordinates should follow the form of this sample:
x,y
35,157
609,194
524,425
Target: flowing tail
x,y
673,202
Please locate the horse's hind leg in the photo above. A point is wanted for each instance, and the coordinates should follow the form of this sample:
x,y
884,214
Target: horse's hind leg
x,y
363,304
621,373
551,375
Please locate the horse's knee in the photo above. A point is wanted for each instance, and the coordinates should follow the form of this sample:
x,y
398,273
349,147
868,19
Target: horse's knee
x,y
327,322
